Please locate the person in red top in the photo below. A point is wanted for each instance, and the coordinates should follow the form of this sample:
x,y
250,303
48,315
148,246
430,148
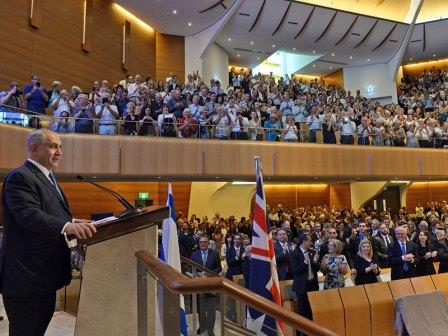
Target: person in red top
x,y
187,125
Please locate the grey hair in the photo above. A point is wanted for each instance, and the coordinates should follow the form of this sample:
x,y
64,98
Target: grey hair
x,y
37,138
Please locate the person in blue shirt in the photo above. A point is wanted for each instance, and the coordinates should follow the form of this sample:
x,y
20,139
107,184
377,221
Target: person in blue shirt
x,y
273,127
36,96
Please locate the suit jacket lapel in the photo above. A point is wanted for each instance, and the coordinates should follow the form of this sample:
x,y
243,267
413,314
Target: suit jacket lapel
x,y
50,185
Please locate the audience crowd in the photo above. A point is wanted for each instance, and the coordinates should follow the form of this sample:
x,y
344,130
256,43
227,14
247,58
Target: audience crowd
x,y
253,107
340,243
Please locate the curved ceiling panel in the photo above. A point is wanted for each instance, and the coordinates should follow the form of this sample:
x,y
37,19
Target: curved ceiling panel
x,y
184,17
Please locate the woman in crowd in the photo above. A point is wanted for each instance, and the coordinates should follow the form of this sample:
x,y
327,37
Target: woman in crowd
x,y
187,125
426,254
290,130
147,124
366,264
334,265
131,120
167,123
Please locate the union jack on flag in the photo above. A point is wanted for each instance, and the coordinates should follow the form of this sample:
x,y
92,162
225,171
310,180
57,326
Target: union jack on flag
x,y
263,278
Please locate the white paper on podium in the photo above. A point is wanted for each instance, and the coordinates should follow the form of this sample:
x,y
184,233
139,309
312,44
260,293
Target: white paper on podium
x,y
104,220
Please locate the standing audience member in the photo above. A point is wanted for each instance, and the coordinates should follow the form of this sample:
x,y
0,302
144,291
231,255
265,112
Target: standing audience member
x,y
366,264
402,255
283,250
208,302
426,255
334,265
35,95
304,269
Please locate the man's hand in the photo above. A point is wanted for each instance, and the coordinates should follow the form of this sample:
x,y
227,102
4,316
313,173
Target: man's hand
x,y
81,228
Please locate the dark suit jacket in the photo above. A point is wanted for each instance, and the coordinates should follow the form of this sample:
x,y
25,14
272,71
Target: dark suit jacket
x,y
396,262
382,249
282,260
233,263
442,255
300,272
213,262
34,257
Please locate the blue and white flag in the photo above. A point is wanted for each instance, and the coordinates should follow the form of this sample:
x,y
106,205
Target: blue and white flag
x,y
169,251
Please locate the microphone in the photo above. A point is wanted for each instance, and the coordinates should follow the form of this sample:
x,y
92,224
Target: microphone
x,y
130,209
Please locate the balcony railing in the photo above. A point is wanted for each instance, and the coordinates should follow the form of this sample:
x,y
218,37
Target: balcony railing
x,y
154,128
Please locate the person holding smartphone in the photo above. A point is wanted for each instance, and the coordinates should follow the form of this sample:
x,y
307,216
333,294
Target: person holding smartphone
x,y
35,95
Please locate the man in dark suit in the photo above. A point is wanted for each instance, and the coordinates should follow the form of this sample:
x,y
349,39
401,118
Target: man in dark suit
x,y
283,250
442,250
34,257
207,302
234,257
304,270
401,255
383,242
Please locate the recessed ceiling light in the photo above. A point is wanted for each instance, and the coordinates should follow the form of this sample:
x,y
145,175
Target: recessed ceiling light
x,y
273,46
293,48
230,39
189,23
331,68
314,65
351,57
238,55
258,58
252,42
332,54
410,59
314,51
174,11
434,55
368,60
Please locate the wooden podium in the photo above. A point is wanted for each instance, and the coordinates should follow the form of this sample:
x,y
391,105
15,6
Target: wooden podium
x,y
108,295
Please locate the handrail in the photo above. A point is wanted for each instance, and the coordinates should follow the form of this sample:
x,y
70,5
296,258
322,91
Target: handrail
x,y
177,283
190,262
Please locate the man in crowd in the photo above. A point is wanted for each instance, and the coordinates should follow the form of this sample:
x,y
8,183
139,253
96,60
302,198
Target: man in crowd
x,y
283,250
208,302
35,95
402,254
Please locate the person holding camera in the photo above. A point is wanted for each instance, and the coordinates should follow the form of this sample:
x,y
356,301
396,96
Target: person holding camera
x,y
11,98
63,125
63,104
347,128
107,114
36,96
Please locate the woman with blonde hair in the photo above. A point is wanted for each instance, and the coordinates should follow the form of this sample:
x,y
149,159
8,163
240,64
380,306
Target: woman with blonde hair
x,y
334,265
366,264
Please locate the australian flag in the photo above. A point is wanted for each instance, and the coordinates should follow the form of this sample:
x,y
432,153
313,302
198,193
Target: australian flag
x,y
263,269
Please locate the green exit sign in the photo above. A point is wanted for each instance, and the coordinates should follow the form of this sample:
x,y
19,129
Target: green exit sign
x,y
143,196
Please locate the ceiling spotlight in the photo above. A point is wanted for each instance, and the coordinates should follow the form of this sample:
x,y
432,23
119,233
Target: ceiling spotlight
x,y
434,55
174,11
230,39
252,42
273,46
189,23
331,68
351,57
293,48
368,60
410,59
314,51
332,54
314,65
258,58
238,55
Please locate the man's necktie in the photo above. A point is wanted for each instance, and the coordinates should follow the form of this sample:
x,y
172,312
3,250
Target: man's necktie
x,y
403,250
204,257
55,184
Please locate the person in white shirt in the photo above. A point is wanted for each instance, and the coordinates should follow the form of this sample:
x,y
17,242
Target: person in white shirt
x,y
290,130
239,126
134,85
63,103
107,114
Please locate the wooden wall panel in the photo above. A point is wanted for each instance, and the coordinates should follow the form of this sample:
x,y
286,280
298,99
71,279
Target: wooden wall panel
x,y
336,78
340,195
281,194
293,195
170,50
423,192
181,194
54,51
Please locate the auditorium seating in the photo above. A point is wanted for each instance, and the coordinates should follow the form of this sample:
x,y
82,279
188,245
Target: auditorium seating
x,y
365,310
